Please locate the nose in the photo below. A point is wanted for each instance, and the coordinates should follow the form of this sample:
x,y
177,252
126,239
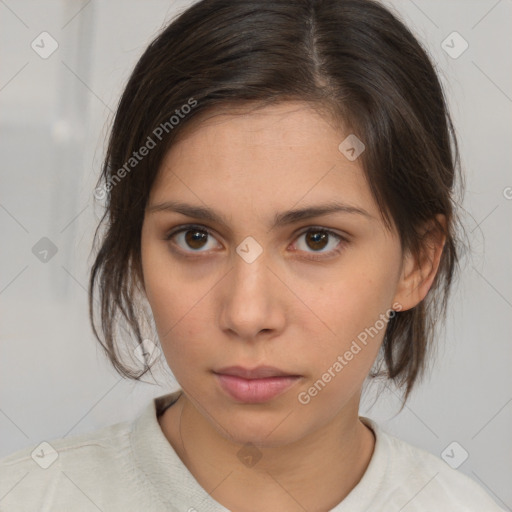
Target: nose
x,y
251,300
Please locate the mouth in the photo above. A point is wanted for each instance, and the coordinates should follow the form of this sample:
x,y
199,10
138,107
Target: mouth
x,y
255,385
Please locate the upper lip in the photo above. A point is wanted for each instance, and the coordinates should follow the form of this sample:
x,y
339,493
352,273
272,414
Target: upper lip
x,y
260,372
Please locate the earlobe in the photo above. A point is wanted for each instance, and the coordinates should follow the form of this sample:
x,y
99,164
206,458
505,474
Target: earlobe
x,y
418,272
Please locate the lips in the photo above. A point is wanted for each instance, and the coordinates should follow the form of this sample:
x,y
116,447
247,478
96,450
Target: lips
x,y
255,385
260,372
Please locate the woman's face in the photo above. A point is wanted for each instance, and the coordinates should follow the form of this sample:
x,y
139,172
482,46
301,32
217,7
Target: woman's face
x,y
258,285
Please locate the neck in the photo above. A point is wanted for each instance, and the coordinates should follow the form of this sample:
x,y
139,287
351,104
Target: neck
x,y
314,473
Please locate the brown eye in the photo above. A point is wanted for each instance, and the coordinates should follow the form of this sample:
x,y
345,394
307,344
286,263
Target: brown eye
x,y
317,239
191,238
195,239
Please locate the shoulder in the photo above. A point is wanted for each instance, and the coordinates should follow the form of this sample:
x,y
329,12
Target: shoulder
x,y
58,450
420,481
65,469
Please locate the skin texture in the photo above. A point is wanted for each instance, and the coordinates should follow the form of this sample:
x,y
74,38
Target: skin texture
x,y
214,309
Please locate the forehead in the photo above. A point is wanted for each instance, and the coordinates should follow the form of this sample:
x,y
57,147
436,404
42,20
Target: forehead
x,y
281,154
292,120
279,132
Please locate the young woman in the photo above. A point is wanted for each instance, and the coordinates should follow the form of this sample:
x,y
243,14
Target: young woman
x,y
279,188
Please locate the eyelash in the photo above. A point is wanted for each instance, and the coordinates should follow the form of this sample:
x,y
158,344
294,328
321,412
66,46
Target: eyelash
x,y
333,252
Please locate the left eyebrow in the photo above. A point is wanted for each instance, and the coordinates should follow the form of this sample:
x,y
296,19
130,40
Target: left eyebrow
x,y
280,219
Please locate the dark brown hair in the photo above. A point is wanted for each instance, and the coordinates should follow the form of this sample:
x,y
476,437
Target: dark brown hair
x,y
355,62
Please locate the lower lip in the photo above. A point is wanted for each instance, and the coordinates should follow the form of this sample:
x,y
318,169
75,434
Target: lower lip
x,y
255,391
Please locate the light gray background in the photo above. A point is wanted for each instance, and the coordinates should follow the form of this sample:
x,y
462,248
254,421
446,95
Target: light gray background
x,y
54,115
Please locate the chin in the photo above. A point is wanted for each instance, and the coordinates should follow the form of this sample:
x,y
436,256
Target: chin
x,y
259,426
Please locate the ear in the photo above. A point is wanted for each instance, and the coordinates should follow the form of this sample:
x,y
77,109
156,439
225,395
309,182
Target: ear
x,y
418,273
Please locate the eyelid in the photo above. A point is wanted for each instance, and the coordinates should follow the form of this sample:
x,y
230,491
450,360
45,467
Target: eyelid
x,y
344,239
187,227
319,256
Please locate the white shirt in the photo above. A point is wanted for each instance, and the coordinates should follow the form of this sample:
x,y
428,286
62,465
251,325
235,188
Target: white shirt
x,y
131,466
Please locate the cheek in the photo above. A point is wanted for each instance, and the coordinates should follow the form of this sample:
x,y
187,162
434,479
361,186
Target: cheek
x,y
169,293
174,309
348,320
181,319
354,301
341,358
